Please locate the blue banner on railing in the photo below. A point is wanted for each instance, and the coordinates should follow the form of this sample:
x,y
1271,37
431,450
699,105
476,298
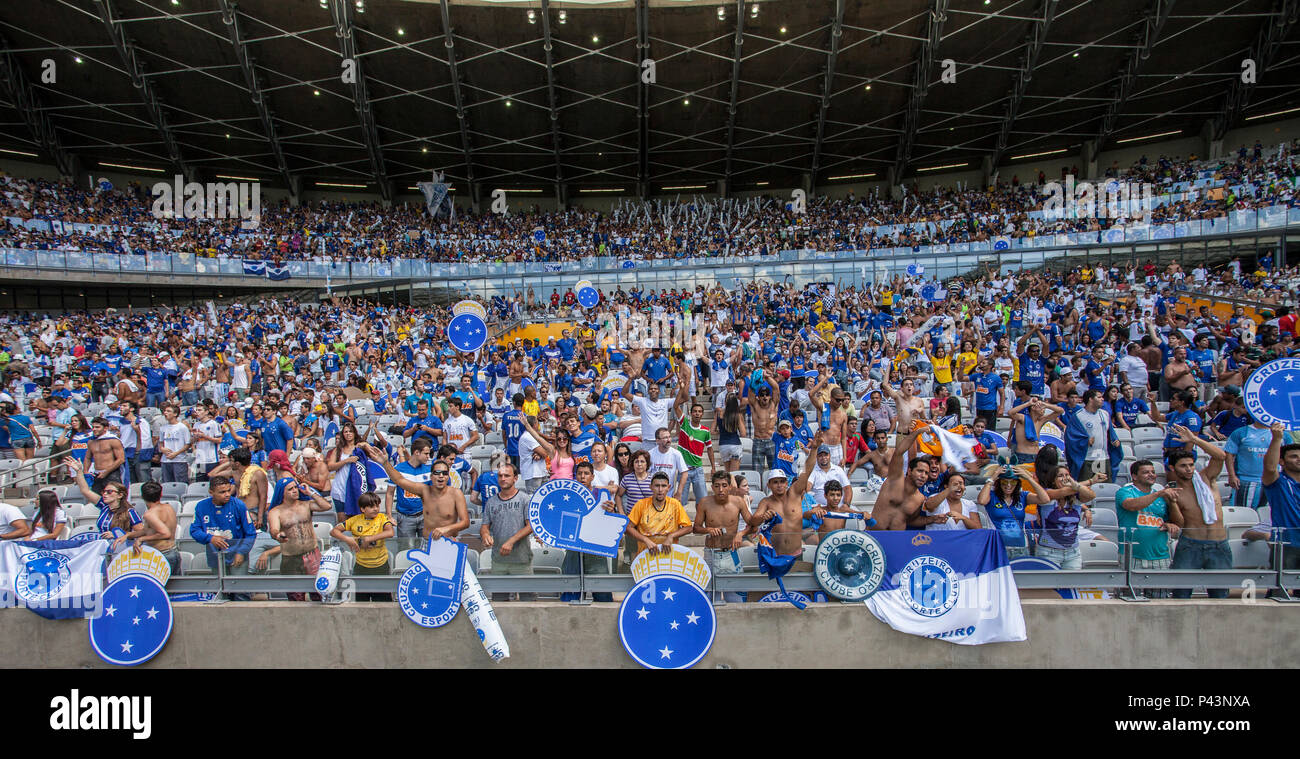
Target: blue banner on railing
x,y
277,273
254,268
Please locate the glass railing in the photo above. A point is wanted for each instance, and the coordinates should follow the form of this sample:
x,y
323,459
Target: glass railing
x,y
947,258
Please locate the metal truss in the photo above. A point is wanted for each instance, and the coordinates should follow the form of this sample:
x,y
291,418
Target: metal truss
x,y
230,17
25,101
547,46
736,57
1156,16
1265,48
1028,62
341,10
462,118
837,31
920,85
127,52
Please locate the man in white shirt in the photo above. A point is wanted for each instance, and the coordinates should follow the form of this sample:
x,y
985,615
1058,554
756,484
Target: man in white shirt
x,y
668,460
173,446
457,429
1133,370
654,410
205,436
823,473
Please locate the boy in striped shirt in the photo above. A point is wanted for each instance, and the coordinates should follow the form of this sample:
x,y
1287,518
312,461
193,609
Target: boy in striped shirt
x,y
694,442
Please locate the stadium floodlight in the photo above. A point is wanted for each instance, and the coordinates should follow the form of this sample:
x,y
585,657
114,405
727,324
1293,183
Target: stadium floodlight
x,y
564,19
325,4
532,16
722,12
753,11
361,6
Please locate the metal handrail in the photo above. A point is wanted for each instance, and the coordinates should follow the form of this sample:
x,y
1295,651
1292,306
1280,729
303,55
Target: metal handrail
x,y
13,481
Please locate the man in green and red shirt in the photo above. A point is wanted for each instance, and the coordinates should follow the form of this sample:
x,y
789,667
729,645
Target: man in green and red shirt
x,y
694,442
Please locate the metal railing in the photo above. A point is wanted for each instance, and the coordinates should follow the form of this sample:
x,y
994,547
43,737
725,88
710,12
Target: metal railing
x,y
1124,578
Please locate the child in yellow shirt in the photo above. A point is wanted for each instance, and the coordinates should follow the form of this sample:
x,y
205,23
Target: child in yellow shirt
x,y
369,529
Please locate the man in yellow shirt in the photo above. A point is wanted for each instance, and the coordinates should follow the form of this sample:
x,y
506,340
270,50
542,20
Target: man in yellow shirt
x,y
658,521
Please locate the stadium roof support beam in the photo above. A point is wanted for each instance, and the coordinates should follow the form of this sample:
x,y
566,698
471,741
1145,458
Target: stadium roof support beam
x,y
461,117
920,86
1267,43
550,99
1028,62
25,101
837,31
643,98
1156,16
342,13
738,42
230,17
127,52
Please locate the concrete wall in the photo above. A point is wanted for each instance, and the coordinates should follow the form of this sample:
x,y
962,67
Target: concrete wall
x,y
1089,634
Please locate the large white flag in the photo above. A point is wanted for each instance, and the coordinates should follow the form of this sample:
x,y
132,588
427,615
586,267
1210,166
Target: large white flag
x,y
957,450
954,585
58,579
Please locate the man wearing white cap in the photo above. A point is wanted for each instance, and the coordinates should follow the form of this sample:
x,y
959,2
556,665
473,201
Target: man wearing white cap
x,y
824,472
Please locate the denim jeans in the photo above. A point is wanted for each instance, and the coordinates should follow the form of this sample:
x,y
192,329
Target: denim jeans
x,y
592,565
763,450
695,481
1202,554
189,397
1065,558
155,399
409,529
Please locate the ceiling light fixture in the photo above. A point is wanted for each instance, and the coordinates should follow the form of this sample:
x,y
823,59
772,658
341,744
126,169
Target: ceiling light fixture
x,y
77,59
753,11
242,179
945,166
129,166
1149,136
564,19
361,6
852,176
532,16
1036,155
17,152
1274,113
595,40
400,31
339,184
688,187
722,12
783,30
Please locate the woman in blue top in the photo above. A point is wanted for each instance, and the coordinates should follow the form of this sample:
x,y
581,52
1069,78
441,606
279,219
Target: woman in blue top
x,y
1064,517
1005,503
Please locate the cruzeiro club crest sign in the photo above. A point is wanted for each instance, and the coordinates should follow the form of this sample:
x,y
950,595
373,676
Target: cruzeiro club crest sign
x,y
850,564
44,573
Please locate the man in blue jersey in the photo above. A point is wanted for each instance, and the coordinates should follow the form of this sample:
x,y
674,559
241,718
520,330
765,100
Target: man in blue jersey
x,y
1282,488
424,425
988,391
1033,367
1246,448
405,508
221,523
512,428
1181,413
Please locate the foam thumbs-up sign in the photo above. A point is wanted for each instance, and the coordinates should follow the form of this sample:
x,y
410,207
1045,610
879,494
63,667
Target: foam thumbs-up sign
x,y
430,590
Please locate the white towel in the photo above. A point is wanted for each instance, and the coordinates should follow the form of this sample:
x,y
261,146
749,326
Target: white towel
x,y
1205,499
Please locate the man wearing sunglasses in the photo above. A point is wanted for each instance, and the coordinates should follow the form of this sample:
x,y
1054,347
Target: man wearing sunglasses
x,y
445,513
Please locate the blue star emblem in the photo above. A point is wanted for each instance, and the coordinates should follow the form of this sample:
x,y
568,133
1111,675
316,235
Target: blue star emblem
x,y
142,628
650,622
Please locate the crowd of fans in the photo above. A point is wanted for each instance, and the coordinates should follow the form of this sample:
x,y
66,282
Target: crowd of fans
x,y
810,402
666,228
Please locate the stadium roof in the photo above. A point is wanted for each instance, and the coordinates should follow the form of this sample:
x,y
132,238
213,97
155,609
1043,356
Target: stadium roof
x,y
531,94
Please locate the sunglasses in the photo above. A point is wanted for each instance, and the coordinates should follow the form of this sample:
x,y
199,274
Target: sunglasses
x,y
441,473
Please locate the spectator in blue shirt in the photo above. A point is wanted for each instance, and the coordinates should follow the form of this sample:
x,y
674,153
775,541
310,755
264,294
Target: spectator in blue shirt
x,y
1181,413
1246,448
276,433
656,367
423,425
1282,489
221,523
988,392
156,380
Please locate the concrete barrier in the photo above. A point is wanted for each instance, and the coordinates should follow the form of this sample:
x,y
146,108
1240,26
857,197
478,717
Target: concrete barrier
x,y
1089,634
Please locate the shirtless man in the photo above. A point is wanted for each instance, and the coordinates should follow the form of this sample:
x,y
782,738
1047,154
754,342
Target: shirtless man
x,y
879,458
1026,450
763,412
787,500
221,375
128,389
158,530
838,431
1179,374
445,513
106,456
1203,543
900,499
908,405
719,516
290,524
251,484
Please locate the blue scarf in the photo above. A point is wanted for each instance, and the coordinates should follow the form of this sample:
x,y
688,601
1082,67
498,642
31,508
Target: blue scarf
x,y
772,563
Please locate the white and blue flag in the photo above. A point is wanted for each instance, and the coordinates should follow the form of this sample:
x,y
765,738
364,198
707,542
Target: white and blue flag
x,y
58,579
952,585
